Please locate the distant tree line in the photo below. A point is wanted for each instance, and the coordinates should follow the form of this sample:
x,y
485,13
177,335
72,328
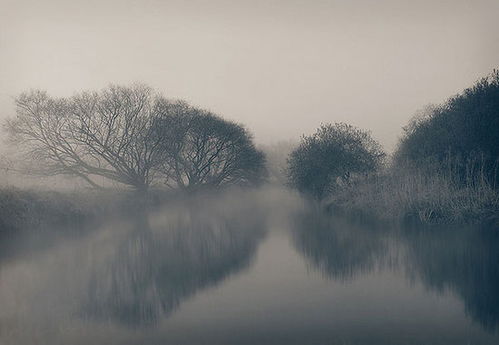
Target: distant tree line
x,y
132,136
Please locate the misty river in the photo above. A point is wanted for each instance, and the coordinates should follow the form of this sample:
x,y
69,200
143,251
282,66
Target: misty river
x,y
256,267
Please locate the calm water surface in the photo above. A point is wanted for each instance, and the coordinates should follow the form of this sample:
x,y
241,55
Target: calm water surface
x,y
251,269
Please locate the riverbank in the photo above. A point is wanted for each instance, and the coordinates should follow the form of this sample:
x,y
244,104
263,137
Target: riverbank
x,y
428,197
29,209
36,209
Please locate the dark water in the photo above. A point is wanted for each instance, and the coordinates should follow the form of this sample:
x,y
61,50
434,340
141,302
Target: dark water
x,y
253,268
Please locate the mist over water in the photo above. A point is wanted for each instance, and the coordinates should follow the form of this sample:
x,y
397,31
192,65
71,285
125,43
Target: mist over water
x,y
250,267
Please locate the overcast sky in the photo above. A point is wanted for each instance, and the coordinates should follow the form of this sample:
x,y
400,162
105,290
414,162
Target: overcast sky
x,y
279,67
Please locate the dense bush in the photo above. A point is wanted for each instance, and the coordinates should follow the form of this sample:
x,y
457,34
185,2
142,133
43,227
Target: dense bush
x,y
465,128
330,157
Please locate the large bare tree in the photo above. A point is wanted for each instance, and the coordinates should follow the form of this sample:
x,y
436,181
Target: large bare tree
x,y
132,136
107,134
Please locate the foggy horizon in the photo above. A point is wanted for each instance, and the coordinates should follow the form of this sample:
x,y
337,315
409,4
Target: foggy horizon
x,y
281,68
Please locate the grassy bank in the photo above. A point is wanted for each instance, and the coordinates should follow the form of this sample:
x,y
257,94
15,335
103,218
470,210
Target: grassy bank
x,y
27,209
35,210
417,195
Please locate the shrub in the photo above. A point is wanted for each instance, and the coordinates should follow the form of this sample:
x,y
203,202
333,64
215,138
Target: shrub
x,y
465,127
329,157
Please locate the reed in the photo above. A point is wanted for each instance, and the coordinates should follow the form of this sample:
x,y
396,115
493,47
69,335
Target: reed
x,y
426,194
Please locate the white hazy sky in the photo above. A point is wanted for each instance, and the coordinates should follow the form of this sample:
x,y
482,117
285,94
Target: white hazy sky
x,y
280,67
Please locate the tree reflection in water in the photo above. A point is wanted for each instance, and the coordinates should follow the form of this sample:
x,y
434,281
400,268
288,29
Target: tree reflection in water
x,y
158,266
462,260
338,248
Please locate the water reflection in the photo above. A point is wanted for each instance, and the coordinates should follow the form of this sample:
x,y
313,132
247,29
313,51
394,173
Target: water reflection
x,y
130,271
338,248
158,266
145,279
462,260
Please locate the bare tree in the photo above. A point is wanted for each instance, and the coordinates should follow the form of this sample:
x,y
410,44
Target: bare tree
x,y
132,136
106,134
204,149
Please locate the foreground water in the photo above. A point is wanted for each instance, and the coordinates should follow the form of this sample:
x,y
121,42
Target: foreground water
x,y
251,268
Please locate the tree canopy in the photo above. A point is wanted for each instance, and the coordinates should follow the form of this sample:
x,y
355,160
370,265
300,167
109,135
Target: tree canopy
x,y
466,126
132,136
91,134
204,149
332,154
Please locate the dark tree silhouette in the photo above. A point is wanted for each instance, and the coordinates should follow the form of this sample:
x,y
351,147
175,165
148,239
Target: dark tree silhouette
x,y
465,128
134,137
205,150
333,153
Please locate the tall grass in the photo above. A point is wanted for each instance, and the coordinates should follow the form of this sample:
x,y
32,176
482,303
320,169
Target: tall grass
x,y
27,209
427,194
